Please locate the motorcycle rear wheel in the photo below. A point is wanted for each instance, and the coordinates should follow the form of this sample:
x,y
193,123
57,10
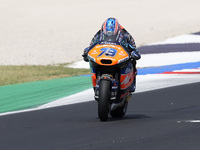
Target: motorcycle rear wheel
x,y
104,100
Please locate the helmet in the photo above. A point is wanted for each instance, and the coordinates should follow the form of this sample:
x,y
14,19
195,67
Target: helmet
x,y
110,29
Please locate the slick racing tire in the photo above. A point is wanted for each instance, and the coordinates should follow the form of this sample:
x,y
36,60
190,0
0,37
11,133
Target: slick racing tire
x,y
104,100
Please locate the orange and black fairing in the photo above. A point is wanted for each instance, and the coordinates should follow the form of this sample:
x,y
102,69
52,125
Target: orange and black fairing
x,y
108,55
110,59
126,76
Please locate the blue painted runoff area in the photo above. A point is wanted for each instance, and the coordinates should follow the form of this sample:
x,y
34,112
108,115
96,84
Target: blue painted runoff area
x,y
168,68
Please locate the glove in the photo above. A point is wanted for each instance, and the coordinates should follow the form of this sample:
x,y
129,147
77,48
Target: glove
x,y
132,55
135,54
85,52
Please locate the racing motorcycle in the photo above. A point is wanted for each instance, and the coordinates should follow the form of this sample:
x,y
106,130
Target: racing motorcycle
x,y
112,79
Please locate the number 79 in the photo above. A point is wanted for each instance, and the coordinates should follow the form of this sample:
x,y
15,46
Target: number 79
x,y
108,52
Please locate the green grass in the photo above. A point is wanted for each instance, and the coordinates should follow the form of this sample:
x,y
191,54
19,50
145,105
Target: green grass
x,y
21,74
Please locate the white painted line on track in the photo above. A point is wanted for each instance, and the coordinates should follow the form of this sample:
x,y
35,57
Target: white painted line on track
x,y
182,39
188,70
189,121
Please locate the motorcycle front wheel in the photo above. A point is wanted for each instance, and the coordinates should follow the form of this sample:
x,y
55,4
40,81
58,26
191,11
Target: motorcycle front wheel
x,y
104,100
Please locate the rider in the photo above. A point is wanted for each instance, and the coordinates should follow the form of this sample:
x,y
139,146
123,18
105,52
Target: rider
x,y
112,31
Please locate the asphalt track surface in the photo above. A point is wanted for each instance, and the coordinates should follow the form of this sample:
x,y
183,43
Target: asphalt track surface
x,y
158,119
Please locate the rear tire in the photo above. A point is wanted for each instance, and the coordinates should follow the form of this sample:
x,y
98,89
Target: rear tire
x,y
104,100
